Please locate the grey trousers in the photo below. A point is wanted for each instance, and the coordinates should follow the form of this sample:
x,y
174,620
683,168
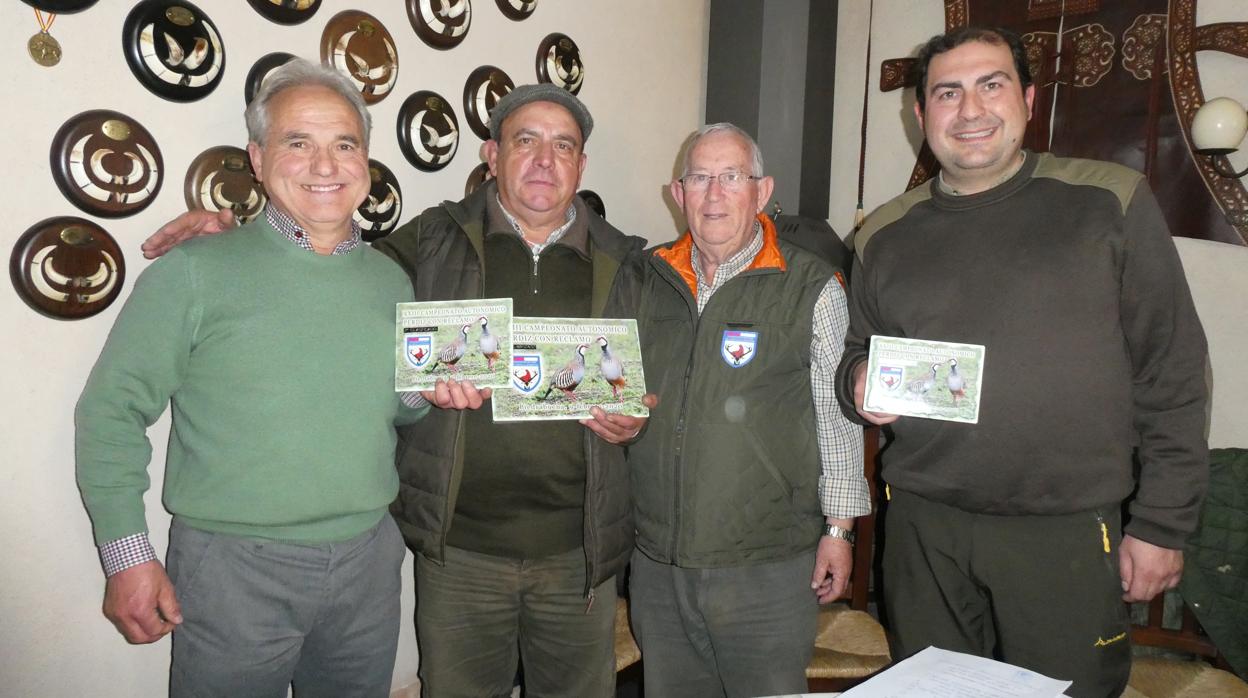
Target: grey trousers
x,y
478,614
259,615
731,631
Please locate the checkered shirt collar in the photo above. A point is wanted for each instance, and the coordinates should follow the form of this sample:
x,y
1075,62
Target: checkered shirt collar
x,y
287,226
731,267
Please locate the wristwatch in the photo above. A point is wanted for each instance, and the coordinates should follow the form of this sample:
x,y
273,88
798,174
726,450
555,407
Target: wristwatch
x,y
838,532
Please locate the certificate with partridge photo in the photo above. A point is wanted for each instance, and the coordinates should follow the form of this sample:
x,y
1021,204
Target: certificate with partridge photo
x,y
462,340
923,378
561,367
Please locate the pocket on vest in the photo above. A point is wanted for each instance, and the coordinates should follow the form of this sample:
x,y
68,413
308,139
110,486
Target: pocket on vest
x,y
740,498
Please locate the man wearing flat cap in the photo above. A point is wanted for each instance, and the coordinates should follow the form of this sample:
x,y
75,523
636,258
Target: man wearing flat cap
x,y
518,530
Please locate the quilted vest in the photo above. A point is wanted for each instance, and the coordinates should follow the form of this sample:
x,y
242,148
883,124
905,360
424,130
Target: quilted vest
x,y
441,250
1215,577
727,472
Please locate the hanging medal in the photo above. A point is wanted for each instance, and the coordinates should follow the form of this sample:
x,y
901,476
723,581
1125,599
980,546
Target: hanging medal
x,y
43,47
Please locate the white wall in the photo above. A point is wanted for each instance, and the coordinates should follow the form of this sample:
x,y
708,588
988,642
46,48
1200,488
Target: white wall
x,y
1218,276
1217,272
645,81
893,139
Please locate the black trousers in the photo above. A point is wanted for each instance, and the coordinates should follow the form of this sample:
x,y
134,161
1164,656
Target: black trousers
x,y
1041,592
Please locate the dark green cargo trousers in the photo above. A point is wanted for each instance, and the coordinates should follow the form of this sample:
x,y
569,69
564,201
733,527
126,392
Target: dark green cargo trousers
x,y
1041,592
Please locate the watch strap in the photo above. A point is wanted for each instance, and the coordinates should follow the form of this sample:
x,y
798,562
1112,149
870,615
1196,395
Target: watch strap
x,y
838,532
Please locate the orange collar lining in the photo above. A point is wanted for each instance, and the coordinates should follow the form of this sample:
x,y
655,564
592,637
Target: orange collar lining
x,y
680,255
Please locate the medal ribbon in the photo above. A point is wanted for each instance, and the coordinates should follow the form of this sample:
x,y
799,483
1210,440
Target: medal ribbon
x,y
44,27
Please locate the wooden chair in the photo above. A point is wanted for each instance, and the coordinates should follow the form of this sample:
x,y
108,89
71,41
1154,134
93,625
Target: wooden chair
x,y
1226,509
1206,676
627,653
850,644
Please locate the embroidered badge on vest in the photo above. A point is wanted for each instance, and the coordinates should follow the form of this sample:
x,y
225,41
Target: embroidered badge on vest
x,y
526,372
417,348
738,347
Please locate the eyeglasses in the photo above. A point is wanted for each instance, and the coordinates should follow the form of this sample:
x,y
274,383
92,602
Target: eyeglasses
x,y
728,181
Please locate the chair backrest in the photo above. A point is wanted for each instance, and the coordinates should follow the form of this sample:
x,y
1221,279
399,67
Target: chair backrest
x,y
1212,573
859,590
1188,637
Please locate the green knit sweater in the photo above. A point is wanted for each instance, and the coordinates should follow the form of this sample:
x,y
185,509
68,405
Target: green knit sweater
x,y
279,366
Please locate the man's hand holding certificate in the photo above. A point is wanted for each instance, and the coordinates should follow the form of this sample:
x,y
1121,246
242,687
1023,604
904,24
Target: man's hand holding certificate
x,y
921,378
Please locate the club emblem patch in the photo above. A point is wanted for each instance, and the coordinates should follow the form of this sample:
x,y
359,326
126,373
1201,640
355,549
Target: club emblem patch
x,y
526,372
738,347
417,348
890,376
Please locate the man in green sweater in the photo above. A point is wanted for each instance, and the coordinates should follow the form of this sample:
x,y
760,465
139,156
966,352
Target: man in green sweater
x,y
274,346
1004,538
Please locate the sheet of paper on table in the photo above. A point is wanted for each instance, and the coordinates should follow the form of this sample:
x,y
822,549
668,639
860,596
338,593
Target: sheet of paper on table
x,y
937,673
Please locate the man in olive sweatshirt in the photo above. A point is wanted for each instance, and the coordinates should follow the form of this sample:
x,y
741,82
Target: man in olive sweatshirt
x,y
274,345
1005,538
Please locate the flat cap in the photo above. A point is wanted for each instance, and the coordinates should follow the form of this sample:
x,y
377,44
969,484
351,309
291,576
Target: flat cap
x,y
542,92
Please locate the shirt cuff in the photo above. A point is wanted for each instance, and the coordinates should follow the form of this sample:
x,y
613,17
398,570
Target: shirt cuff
x,y
124,553
413,399
844,498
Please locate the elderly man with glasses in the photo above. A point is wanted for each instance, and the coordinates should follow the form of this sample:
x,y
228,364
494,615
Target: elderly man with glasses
x,y
748,476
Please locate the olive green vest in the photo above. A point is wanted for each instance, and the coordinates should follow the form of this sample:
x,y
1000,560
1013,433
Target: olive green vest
x,y
727,472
